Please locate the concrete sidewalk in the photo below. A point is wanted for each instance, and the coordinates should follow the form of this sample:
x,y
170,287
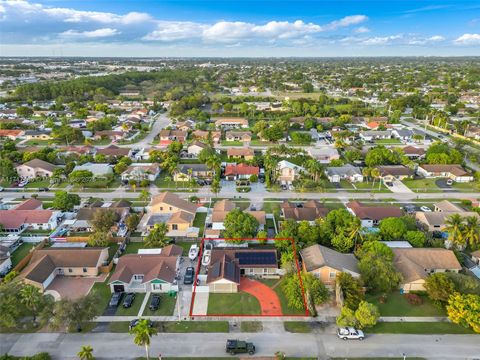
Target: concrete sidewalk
x,y
413,319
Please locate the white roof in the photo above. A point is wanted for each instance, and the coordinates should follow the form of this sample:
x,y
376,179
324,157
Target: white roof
x,y
287,164
95,169
397,244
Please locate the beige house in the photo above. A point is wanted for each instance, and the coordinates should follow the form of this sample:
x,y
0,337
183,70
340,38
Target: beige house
x,y
231,123
325,263
240,153
168,203
46,264
35,168
435,220
415,264
37,135
288,172
454,172
242,136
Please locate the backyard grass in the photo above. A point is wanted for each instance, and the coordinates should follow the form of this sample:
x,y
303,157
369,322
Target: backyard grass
x,y
20,253
166,308
251,326
236,304
286,310
132,247
297,327
185,245
199,222
193,326
134,309
397,305
418,328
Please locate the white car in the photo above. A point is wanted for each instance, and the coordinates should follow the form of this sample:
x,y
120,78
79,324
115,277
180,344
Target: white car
x,y
350,333
425,209
193,252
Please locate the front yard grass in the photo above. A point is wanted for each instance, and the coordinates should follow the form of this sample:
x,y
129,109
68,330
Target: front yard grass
x,y
297,327
418,328
20,253
166,308
103,292
132,310
38,184
397,305
424,185
251,326
193,326
286,310
234,304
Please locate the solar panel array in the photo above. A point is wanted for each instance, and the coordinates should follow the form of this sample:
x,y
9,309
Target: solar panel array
x,y
256,257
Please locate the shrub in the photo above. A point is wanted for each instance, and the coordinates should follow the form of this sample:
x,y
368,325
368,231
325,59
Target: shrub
x,y
413,299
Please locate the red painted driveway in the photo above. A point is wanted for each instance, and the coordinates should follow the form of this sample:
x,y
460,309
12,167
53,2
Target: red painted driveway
x,y
268,299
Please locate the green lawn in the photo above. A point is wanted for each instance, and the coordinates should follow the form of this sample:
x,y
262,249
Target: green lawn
x,y
20,253
199,222
185,245
251,326
397,305
132,247
297,327
193,326
118,326
38,184
467,187
167,306
375,187
418,328
387,141
271,207
231,143
286,310
134,309
425,185
236,304
103,291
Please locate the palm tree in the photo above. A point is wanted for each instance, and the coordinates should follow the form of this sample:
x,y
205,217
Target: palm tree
x,y
471,232
454,226
366,172
86,353
375,174
143,332
32,298
144,195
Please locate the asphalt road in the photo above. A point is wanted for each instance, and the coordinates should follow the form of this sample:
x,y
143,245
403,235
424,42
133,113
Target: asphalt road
x,y
121,346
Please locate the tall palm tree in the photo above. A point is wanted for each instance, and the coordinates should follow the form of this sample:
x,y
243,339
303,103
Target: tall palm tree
x,y
454,226
375,174
86,353
143,332
32,298
366,172
471,231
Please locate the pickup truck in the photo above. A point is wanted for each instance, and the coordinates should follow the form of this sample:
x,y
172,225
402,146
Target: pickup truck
x,y
350,333
239,347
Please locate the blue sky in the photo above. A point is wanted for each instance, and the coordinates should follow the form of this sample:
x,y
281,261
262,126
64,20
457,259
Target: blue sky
x,y
239,28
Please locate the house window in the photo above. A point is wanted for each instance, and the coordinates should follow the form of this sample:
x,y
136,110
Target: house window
x,y
161,208
70,270
138,277
332,274
84,270
174,227
171,208
251,271
157,287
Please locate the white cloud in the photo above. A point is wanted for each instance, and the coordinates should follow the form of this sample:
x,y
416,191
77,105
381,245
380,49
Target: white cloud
x,y
361,30
99,33
436,38
468,39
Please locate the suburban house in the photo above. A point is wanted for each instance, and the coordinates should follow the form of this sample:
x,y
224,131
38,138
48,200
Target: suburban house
x,y
455,172
372,215
204,135
141,171
324,154
113,151
240,153
109,134
169,136
195,148
46,264
42,135
375,135
325,263
228,265
347,172
242,136
141,273
231,123
85,215
187,172
185,125
415,264
177,213
240,171
223,207
447,206
435,220
308,211
288,172
35,168
390,173
5,261
414,153
98,170
28,215
11,134
403,134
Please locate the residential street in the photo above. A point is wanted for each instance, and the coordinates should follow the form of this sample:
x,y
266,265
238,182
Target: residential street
x,y
121,346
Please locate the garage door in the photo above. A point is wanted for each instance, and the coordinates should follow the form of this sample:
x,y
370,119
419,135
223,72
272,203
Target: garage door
x,y
223,288
118,288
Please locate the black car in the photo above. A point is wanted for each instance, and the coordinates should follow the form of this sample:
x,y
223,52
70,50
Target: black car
x,y
115,299
154,302
239,347
134,323
43,189
128,300
189,274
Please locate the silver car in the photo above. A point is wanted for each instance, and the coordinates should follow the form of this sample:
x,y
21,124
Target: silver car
x,y
350,333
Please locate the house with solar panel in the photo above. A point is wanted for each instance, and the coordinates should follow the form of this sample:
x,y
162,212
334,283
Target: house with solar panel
x,y
228,266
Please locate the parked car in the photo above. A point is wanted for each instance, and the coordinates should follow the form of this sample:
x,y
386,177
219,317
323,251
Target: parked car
x,y
128,302
350,333
1,189
43,189
135,322
154,303
425,209
189,274
115,299
239,347
449,182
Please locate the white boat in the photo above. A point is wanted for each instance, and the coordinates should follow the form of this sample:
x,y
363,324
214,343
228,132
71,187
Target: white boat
x,y
193,252
206,257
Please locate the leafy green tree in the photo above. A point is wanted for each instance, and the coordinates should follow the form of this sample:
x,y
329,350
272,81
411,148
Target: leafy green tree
x,y
80,176
416,238
10,312
86,353
464,309
32,299
315,292
378,273
351,289
346,317
374,248
239,224
143,333
157,237
74,313
471,231
24,111
7,170
132,221
455,228
307,87
65,201
99,238
367,315
439,287
392,229
103,220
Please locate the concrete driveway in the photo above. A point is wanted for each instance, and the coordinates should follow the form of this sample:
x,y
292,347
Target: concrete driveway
x,y
67,287
399,187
